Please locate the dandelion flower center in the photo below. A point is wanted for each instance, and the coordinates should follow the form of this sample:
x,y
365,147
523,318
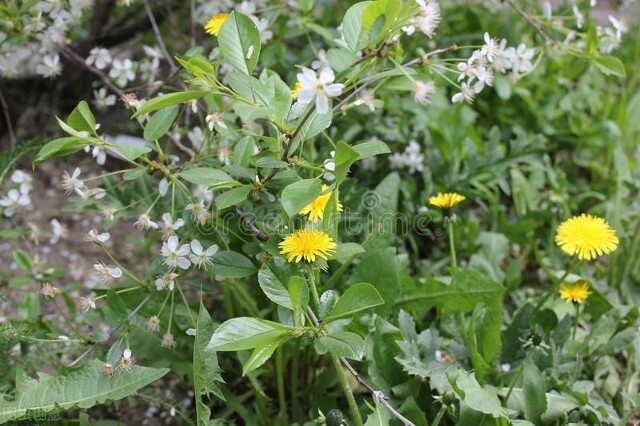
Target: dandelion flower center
x,y
215,23
307,245
446,200
587,236
575,292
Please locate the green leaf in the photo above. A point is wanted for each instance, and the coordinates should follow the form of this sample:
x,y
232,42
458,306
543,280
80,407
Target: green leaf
x,y
206,372
387,8
610,65
327,302
131,152
22,259
370,149
477,398
381,268
299,295
243,151
160,123
233,196
242,333
229,264
168,100
262,353
239,41
314,126
343,343
356,298
82,388
116,305
81,118
534,388
352,25
59,147
344,158
299,194
205,176
331,215
272,279
348,250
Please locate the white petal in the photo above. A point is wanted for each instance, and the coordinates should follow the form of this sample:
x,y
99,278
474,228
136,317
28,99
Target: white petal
x,y
183,262
322,103
196,247
327,76
334,90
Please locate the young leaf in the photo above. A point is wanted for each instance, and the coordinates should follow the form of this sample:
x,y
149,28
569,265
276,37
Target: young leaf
x,y
243,333
160,122
240,44
610,65
168,100
205,176
370,149
344,158
356,298
262,353
299,295
233,196
352,25
299,194
272,279
59,147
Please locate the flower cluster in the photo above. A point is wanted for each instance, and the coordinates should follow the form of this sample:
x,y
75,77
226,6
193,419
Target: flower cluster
x,y
411,158
494,57
18,195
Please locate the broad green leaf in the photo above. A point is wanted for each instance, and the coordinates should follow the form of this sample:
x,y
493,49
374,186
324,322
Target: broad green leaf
x,y
370,149
348,250
328,300
299,295
352,25
168,100
160,123
389,8
476,397
243,151
299,194
59,147
314,126
356,298
205,176
22,259
116,305
381,268
206,372
272,280
229,264
82,119
534,388
343,343
131,152
233,196
344,158
238,334
270,163
262,353
82,388
239,41
610,65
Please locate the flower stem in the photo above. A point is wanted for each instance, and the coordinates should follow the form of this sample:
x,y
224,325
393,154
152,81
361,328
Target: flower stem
x,y
575,324
556,285
67,321
280,380
342,377
454,264
513,382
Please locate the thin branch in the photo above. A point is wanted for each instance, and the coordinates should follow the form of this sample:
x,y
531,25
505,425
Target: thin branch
x,y
159,39
250,226
68,53
378,396
533,23
113,330
7,117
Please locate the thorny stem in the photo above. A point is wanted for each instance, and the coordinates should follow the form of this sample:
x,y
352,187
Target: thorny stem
x,y
378,396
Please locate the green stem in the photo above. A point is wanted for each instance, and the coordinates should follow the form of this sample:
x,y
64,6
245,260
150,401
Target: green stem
x,y
280,378
575,324
342,377
513,383
66,320
439,416
454,264
556,285
314,289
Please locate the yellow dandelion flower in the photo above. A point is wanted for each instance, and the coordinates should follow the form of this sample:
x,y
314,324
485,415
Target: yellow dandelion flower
x,y
296,89
215,23
447,200
315,209
575,292
307,244
587,236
